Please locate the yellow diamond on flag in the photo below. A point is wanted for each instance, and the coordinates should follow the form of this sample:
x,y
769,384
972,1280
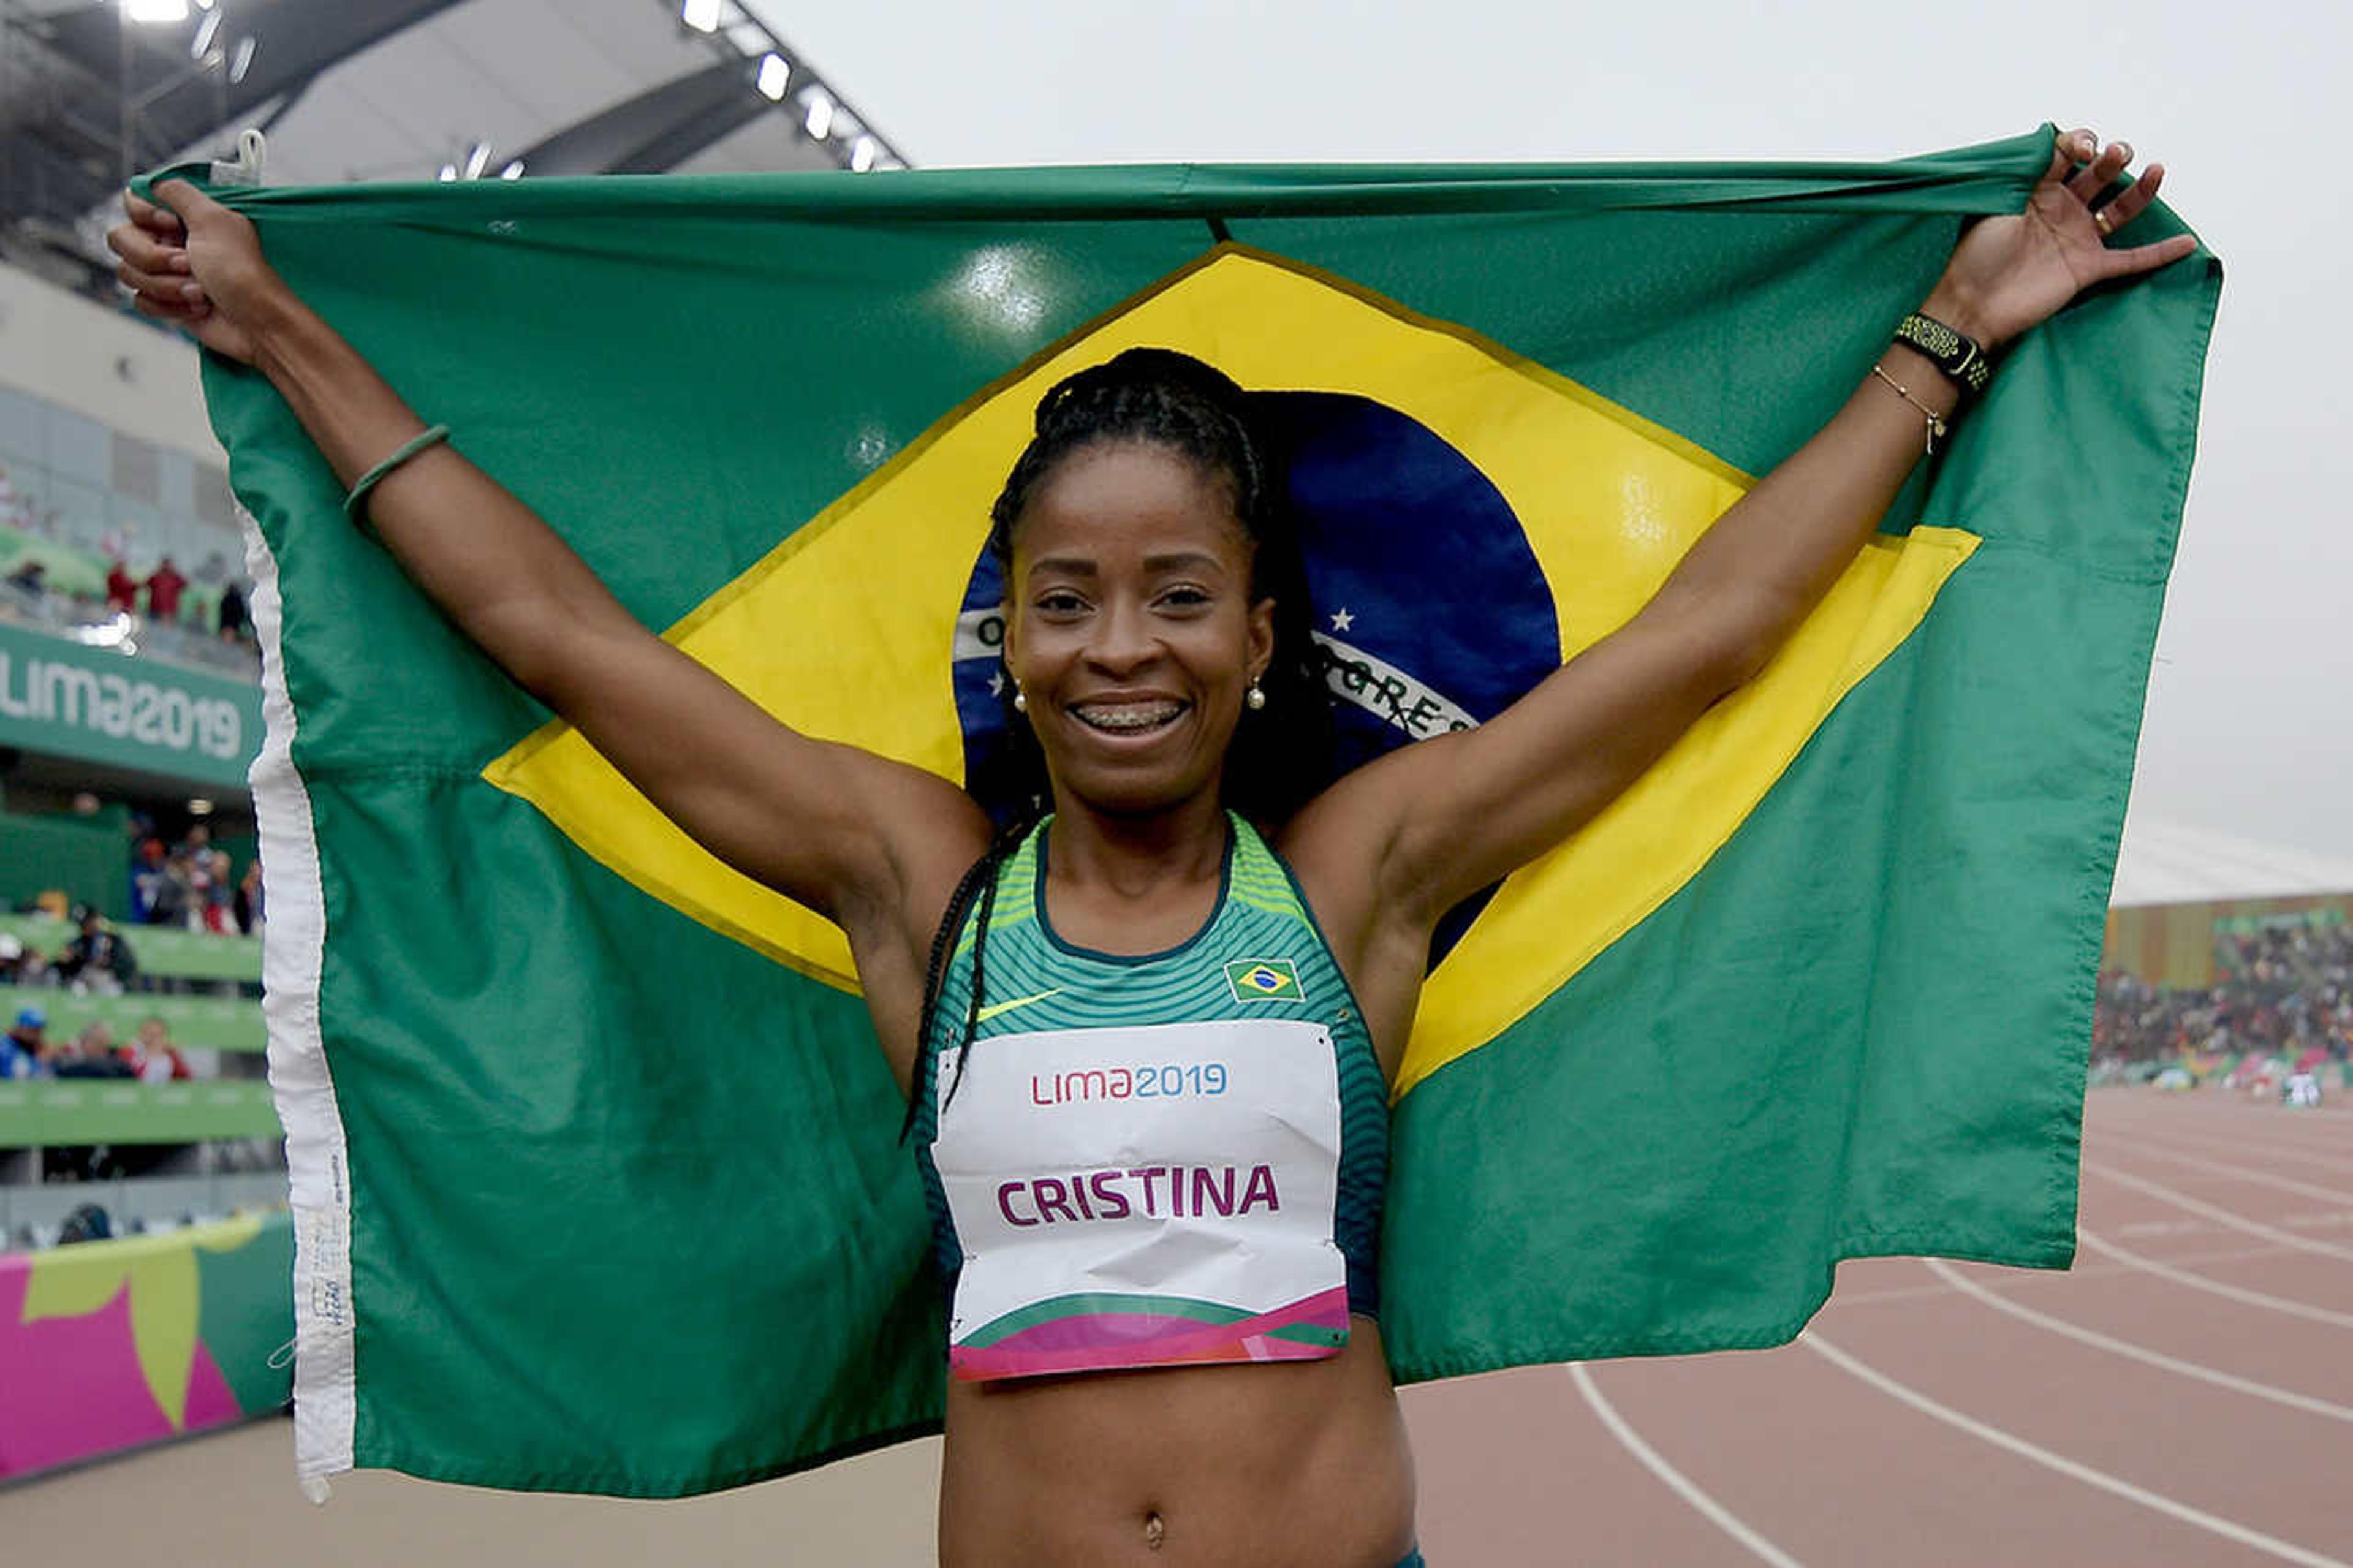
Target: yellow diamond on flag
x,y
846,630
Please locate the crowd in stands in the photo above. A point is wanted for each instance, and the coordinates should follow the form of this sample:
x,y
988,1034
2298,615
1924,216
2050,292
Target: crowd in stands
x,y
190,885
28,1050
195,885
51,584
2285,989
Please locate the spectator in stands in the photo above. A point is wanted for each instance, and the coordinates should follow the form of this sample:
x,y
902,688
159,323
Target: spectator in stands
x,y
146,879
121,588
158,897
87,1223
24,1049
165,586
92,1054
32,576
186,902
97,960
154,1057
234,621
220,892
248,900
21,963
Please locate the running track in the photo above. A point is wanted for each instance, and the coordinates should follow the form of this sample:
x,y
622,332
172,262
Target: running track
x,y
2185,1395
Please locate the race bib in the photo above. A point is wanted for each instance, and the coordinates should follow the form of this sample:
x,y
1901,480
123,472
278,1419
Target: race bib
x,y
1142,1196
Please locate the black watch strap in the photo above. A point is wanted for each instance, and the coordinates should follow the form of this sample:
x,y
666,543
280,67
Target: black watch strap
x,y
1956,354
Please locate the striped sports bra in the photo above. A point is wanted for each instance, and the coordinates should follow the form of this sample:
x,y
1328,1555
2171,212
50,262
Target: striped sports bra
x,y
1153,1159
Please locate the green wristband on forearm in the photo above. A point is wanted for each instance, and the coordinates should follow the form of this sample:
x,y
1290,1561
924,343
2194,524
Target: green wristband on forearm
x,y
355,504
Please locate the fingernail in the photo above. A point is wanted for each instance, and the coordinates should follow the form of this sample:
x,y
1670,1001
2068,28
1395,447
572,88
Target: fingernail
x,y
180,261
192,291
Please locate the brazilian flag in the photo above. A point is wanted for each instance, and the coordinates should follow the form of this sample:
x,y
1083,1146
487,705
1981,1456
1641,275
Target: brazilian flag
x,y
598,1179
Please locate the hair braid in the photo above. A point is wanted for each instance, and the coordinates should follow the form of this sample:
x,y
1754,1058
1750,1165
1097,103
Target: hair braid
x,y
978,886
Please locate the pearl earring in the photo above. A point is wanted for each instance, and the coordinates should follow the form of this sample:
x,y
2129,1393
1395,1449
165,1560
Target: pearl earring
x,y
1021,699
1255,697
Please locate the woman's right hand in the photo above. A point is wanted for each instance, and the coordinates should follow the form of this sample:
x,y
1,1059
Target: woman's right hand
x,y
194,263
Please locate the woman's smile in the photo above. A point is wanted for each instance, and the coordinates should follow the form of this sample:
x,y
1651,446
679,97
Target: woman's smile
x,y
1128,717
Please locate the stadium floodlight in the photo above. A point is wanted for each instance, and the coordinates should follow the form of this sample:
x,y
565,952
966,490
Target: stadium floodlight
x,y
820,123
861,157
156,12
478,158
512,171
206,31
702,15
774,74
242,61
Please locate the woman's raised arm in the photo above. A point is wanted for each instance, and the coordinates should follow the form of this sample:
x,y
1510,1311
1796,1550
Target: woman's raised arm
x,y
1431,823
870,843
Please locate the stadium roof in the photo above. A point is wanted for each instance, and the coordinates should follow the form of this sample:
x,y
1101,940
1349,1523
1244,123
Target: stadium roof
x,y
404,89
2166,862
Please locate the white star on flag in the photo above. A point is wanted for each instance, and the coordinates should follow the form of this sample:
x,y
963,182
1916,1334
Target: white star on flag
x,y
1342,620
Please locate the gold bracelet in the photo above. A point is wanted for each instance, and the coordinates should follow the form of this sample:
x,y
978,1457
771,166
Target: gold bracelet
x,y
1936,426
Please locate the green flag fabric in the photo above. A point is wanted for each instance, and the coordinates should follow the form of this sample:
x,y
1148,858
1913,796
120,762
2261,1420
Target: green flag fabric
x,y
596,1169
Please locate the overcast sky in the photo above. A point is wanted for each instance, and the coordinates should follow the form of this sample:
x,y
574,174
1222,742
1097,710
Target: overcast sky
x,y
2247,729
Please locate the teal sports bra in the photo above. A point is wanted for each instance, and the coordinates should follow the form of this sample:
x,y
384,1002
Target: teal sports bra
x,y
1152,1160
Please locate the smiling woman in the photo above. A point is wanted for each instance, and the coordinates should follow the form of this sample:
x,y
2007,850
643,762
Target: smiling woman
x,y
1162,1308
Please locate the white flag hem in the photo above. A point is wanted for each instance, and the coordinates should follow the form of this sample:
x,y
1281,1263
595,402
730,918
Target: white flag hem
x,y
293,944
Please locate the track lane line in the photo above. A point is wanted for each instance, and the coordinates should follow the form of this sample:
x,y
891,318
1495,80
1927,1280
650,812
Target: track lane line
x,y
2141,1353
2219,1215
2200,1282
2213,1524
1715,1512
2223,1145
2079,1269
2240,1173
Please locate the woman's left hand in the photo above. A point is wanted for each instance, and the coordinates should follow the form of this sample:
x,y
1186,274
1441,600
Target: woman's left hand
x,y
2009,273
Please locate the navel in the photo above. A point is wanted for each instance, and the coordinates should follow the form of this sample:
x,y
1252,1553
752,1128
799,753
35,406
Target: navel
x,y
1156,1530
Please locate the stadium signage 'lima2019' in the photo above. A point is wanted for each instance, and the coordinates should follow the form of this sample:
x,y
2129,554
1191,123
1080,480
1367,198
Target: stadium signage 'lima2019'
x,y
96,706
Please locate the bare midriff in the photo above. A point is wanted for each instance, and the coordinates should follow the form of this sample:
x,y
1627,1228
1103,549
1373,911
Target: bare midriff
x,y
1270,1464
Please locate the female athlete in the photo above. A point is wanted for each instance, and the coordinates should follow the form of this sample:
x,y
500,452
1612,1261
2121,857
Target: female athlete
x,y
1145,563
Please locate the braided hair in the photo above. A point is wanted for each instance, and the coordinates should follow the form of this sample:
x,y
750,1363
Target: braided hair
x,y
1280,757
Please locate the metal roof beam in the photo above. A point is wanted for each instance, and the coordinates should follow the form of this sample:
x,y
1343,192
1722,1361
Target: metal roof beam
x,y
296,39
659,129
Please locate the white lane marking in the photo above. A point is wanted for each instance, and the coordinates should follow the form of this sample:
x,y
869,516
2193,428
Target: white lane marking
x,y
1715,1512
2220,1217
2268,1147
2200,1282
2157,1502
2141,1353
2240,1173
2139,1228
2127,1262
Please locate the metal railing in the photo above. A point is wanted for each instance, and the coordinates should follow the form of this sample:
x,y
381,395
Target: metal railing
x,y
128,632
